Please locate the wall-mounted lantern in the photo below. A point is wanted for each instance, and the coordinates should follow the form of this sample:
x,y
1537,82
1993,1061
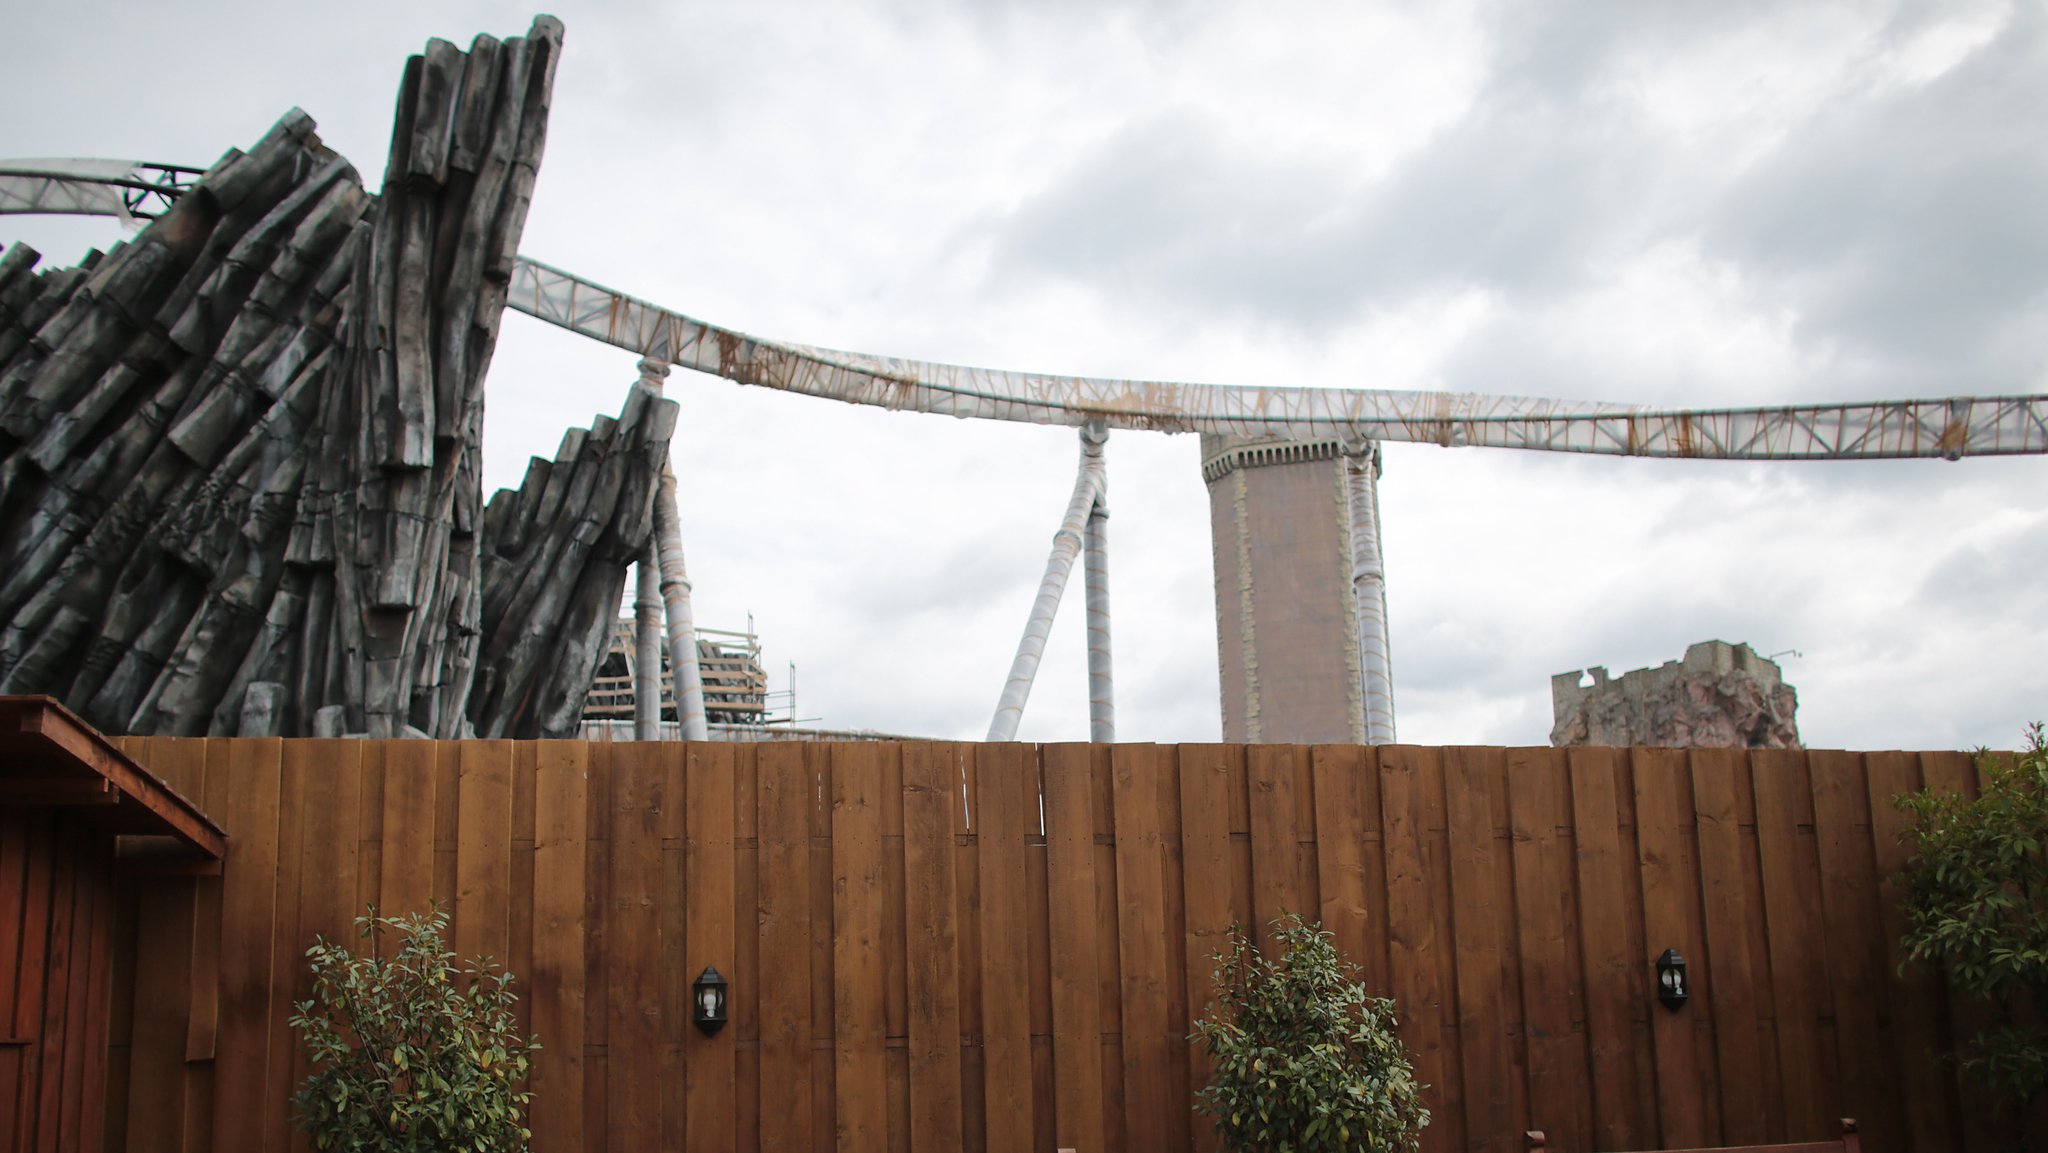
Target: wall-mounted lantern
x,y
1671,979
707,1001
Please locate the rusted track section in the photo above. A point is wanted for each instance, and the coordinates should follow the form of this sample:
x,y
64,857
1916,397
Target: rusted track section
x,y
1949,427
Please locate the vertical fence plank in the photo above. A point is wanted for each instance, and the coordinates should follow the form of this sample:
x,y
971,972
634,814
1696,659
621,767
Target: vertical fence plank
x,y
330,783
1070,899
709,1062
1482,945
302,761
561,783
407,884
1336,773
91,1095
673,947
447,824
746,896
1276,772
1416,953
1547,926
1791,893
1732,975
40,915
1141,946
483,849
519,901
1855,954
1914,993
824,982
20,906
54,1038
1617,989
1687,1113
633,947
248,905
784,818
1007,814
67,1078
165,923
857,887
895,942
1173,910
931,800
1206,776
597,900
1108,945
202,1029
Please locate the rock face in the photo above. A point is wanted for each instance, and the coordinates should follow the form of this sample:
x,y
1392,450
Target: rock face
x,y
1721,696
239,483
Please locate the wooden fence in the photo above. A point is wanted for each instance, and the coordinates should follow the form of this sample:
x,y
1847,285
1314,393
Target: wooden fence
x,y
1000,947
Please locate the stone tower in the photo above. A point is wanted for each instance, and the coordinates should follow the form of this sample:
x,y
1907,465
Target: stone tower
x,y
1287,522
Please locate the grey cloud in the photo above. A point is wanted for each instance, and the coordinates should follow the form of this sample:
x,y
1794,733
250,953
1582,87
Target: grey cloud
x,y
1906,228
1517,199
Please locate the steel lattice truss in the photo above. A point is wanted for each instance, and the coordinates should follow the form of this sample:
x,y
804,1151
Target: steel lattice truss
x,y
128,189
1952,428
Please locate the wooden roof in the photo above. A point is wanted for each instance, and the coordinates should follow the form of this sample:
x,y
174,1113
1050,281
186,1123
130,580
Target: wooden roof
x,y
48,756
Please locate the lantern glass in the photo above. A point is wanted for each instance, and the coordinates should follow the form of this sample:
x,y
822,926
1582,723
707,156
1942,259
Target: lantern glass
x,y
709,992
1671,979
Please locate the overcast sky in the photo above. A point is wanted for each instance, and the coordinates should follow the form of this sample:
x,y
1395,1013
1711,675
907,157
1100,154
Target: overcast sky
x,y
1677,204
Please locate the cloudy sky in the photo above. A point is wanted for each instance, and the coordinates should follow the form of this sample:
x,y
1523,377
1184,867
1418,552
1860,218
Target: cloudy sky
x,y
1675,204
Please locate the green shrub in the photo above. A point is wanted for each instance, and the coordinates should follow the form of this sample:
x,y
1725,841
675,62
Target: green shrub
x,y
1304,1058
411,1053
1976,901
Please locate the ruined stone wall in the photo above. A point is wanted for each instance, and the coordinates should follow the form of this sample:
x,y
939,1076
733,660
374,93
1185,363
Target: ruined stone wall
x,y
1721,696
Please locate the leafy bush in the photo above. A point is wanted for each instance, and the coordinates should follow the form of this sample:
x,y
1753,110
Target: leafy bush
x,y
1304,1058
411,1053
1976,899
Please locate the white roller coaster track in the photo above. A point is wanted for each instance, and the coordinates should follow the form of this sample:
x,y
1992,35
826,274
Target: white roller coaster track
x,y
1952,427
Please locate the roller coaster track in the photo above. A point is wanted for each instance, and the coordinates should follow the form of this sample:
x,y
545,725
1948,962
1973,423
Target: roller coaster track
x,y
1951,427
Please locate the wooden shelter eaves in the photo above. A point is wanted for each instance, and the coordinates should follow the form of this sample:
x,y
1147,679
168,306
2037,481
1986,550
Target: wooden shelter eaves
x,y
48,756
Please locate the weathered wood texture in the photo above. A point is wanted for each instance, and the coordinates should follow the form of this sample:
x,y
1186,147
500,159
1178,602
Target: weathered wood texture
x,y
57,911
239,453
951,946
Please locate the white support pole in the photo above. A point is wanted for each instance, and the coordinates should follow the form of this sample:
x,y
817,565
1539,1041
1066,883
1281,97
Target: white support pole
x,y
1066,545
1095,579
1369,590
675,594
675,587
647,647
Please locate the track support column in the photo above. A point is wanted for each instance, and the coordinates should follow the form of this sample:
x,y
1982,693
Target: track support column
x,y
1369,589
1066,546
675,588
1095,580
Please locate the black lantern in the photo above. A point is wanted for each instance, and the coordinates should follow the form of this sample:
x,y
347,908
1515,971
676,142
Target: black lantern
x,y
1671,979
707,1001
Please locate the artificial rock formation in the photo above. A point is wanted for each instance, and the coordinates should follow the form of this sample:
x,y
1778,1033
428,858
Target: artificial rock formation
x,y
556,553
239,454
1721,696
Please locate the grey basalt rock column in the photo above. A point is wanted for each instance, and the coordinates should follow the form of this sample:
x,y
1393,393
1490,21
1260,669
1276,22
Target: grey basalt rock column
x,y
240,452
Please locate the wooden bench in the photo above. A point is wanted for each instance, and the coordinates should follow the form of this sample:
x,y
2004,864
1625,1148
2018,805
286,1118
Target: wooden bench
x,y
1845,1143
